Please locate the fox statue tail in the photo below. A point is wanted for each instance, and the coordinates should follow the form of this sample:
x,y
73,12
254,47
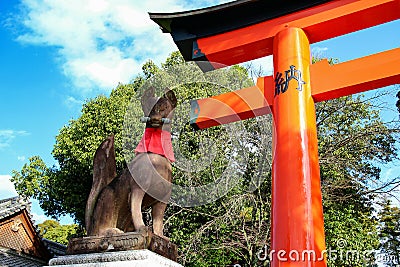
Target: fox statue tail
x,y
104,171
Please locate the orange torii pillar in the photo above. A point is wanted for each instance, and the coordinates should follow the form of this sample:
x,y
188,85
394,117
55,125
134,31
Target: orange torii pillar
x,y
297,218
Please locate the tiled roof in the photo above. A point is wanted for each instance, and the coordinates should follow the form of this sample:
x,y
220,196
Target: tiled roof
x,y
13,205
11,258
55,248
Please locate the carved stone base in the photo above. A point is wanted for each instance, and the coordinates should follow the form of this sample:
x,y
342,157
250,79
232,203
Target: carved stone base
x,y
123,242
131,258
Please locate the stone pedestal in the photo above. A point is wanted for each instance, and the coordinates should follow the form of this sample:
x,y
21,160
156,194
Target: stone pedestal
x,y
136,249
131,258
123,242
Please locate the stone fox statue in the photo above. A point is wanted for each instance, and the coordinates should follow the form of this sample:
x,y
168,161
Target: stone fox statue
x,y
115,203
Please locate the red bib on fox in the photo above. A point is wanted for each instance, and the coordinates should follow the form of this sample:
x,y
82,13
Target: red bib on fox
x,y
156,141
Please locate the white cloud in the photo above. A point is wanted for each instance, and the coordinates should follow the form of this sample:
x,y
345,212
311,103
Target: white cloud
x,y
39,218
72,103
6,137
7,188
21,158
106,68
100,42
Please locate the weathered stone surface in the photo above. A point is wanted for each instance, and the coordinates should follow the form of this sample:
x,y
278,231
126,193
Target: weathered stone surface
x,y
115,203
123,242
132,258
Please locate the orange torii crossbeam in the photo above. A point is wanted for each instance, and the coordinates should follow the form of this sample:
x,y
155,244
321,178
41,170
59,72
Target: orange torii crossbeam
x,y
247,29
329,82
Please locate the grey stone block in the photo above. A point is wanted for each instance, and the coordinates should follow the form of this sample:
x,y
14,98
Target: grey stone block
x,y
132,258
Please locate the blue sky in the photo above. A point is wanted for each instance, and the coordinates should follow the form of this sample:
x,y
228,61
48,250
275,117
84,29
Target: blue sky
x,y
56,54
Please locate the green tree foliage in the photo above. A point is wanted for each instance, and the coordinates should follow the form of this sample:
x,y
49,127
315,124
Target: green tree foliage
x,y
353,142
350,236
390,233
56,232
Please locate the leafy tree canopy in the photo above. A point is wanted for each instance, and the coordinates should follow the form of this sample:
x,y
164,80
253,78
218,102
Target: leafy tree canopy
x,y
390,233
56,232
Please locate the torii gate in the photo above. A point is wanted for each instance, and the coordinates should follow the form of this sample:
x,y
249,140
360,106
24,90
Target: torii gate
x,y
248,29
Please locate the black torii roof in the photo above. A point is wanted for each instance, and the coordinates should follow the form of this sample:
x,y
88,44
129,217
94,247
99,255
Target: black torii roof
x,y
188,26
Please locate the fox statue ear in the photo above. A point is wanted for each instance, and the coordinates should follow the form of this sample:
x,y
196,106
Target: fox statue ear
x,y
170,95
146,102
